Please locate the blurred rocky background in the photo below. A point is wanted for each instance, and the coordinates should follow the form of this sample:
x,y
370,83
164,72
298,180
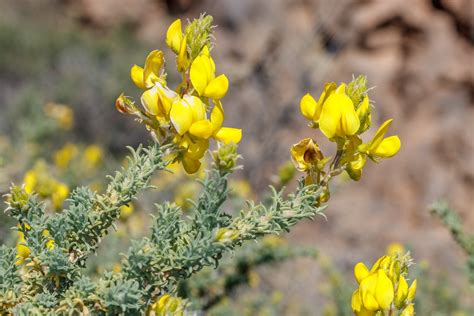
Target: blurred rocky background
x,y
418,56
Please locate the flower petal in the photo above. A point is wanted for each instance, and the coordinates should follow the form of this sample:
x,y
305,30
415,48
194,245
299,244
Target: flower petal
x,y
387,148
174,36
197,149
191,165
136,73
150,101
199,74
338,117
384,290
378,137
308,106
229,135
411,291
402,292
217,88
360,272
181,116
202,129
153,64
197,107
217,116
356,303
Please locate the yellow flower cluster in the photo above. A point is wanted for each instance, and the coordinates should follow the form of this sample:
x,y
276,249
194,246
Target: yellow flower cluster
x,y
190,115
167,305
342,113
40,181
384,288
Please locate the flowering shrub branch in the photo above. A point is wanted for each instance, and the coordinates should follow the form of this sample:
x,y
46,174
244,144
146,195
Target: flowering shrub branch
x,y
45,275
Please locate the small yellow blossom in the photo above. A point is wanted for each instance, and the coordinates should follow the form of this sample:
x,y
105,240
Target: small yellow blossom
x,y
59,195
63,156
383,287
338,115
145,78
126,211
93,155
380,147
204,79
395,248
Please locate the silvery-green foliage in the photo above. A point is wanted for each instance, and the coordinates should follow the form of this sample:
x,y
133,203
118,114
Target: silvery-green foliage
x,y
51,280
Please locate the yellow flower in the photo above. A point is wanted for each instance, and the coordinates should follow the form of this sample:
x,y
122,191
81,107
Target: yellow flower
x,y
63,156
158,100
395,248
380,147
93,155
59,194
126,211
225,135
338,115
30,180
22,250
312,109
204,79
383,287
145,78
306,154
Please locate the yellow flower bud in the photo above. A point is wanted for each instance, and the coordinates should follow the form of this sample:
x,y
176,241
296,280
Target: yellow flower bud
x,y
174,36
402,292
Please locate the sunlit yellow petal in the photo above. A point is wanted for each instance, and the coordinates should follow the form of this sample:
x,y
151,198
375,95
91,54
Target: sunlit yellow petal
x,y
153,64
308,106
369,301
150,101
182,56
202,129
338,117
387,148
217,116
174,36
167,97
329,88
198,74
217,88
181,116
197,107
136,73
384,290
360,272
402,291
367,292
229,135
380,261
408,311
355,301
411,291
379,135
